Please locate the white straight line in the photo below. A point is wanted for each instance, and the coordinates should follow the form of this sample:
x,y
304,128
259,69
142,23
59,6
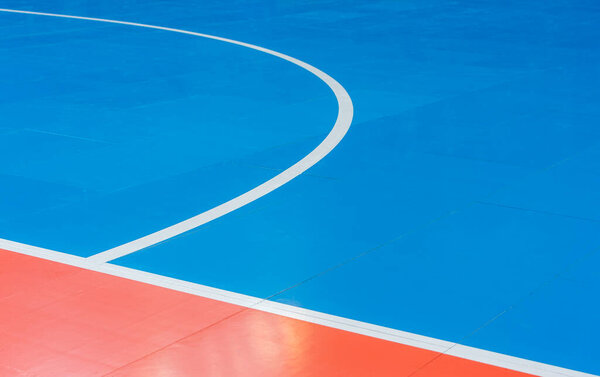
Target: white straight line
x,y
337,133
98,262
289,311
51,255
419,341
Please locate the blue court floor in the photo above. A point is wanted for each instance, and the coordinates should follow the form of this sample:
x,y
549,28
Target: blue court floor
x,y
463,204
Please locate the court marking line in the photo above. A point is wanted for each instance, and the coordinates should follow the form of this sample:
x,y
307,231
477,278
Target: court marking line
x,y
290,311
99,261
337,133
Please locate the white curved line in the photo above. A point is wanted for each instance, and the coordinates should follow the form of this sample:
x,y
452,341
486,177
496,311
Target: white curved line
x,y
341,126
97,262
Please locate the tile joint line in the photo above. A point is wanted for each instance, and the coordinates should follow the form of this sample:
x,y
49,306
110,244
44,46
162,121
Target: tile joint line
x,y
285,310
99,261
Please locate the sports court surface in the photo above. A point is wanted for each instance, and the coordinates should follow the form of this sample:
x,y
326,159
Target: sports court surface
x,y
299,188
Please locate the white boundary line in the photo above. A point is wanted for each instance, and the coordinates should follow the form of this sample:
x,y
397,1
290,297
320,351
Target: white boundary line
x,y
98,262
397,336
337,133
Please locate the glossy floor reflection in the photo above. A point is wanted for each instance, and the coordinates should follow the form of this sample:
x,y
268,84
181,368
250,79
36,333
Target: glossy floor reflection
x,y
58,320
462,205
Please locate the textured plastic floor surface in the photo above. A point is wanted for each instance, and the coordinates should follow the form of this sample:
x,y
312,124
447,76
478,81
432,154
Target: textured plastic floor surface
x,y
451,231
67,321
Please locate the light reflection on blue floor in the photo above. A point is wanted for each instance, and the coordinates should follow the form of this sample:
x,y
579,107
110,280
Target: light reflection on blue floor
x,y
466,188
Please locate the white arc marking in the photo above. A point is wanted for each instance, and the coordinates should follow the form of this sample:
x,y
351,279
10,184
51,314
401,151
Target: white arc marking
x,y
337,133
97,262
